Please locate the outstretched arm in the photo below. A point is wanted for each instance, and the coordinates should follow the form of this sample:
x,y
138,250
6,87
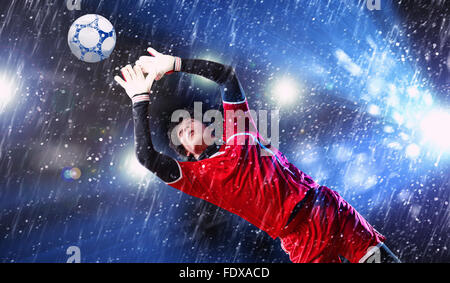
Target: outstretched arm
x,y
224,75
138,88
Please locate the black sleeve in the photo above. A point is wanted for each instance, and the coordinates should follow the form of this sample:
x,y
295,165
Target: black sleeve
x,y
165,167
224,75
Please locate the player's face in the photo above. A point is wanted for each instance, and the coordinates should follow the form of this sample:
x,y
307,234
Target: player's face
x,y
190,133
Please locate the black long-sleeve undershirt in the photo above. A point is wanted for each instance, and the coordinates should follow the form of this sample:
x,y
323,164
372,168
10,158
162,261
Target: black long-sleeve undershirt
x,y
165,167
224,75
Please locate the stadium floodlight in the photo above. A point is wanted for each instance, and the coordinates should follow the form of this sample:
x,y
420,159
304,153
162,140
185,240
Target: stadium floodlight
x,y
6,92
285,91
133,168
435,128
412,151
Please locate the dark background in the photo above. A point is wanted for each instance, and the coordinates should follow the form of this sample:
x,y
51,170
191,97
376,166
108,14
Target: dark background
x,y
67,113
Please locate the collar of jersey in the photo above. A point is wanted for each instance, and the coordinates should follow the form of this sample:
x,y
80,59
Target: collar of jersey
x,y
209,151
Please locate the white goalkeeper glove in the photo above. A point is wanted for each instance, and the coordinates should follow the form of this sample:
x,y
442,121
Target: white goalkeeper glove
x,y
165,64
136,85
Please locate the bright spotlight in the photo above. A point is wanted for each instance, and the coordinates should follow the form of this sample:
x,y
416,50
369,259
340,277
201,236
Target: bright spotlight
x,y
388,129
133,168
374,110
435,128
6,92
285,91
412,151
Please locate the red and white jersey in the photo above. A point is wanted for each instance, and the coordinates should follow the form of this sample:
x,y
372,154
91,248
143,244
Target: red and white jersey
x,y
246,178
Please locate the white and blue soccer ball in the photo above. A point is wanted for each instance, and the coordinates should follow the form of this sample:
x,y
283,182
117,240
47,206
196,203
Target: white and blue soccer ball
x,y
92,38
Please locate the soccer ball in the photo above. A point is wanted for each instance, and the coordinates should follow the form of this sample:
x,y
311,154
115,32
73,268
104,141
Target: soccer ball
x,y
91,38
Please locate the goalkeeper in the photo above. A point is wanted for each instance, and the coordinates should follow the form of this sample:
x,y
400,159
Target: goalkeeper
x,y
242,175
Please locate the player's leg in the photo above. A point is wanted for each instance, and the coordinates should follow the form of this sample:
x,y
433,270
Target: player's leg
x,y
313,238
327,228
359,241
306,245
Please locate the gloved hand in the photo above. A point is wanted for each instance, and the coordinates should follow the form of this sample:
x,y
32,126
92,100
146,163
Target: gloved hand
x,y
165,64
136,85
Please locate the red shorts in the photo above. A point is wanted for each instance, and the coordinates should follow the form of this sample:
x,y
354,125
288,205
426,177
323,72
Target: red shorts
x,y
327,227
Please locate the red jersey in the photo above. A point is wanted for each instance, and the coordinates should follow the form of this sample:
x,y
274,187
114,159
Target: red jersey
x,y
261,188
